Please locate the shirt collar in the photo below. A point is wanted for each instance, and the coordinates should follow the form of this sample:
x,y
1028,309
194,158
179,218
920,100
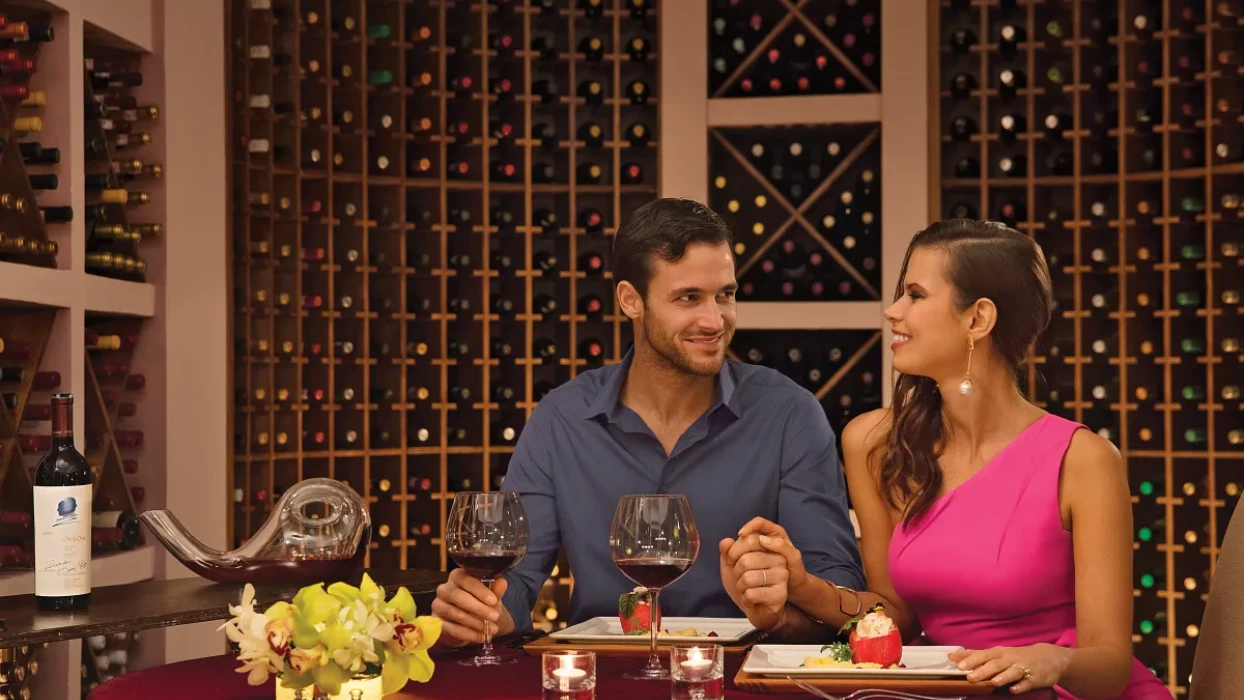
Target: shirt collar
x,y
607,400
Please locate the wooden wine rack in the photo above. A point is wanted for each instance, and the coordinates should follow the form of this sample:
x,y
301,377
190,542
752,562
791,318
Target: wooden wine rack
x,y
411,306
1138,357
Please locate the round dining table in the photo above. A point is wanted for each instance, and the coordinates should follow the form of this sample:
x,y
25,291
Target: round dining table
x,y
215,678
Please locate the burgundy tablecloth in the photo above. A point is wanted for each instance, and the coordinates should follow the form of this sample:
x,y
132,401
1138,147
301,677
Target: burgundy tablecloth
x,y
214,678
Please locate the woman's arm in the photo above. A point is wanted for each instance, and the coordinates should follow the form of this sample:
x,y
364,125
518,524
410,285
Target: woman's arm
x,y
819,599
1093,487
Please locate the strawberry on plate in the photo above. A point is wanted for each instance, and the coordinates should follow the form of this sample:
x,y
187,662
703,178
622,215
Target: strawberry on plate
x,y
874,639
635,613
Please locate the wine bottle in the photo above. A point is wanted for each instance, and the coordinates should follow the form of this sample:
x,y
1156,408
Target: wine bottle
x,y
544,261
1010,82
544,305
591,263
632,174
592,135
547,221
544,348
1012,166
962,40
118,529
592,221
962,128
638,92
591,305
592,49
592,350
62,502
638,135
637,49
589,173
503,394
962,85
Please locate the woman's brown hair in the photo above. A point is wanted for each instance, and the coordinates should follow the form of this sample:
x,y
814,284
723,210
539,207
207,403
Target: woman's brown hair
x,y
985,260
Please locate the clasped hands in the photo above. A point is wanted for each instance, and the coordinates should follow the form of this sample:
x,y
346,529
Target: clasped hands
x,y
763,571
760,570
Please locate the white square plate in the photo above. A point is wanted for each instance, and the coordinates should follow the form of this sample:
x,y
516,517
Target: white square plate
x,y
609,629
786,659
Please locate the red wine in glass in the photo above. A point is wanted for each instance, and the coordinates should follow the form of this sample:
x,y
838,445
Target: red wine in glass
x,y
485,566
486,535
653,573
653,541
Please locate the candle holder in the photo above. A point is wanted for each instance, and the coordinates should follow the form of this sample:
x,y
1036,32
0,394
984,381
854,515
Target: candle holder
x,y
568,675
696,673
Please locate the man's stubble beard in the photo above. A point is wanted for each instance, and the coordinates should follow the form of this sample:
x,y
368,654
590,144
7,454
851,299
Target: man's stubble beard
x,y
671,356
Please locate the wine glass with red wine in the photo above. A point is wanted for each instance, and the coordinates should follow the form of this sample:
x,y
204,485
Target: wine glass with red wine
x,y
653,541
486,536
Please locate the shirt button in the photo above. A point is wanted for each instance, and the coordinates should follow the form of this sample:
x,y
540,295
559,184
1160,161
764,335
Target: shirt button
x,y
664,489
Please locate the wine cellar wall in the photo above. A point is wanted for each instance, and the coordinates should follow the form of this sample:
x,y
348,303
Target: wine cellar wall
x,y
424,194
1110,132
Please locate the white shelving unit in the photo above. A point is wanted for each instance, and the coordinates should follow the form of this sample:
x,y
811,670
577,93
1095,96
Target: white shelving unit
x,y
182,348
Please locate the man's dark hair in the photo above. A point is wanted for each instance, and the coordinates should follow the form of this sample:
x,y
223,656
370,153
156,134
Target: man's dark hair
x,y
663,228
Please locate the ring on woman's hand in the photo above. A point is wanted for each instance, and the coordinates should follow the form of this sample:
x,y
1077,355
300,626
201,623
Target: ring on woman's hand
x,y
764,577
1027,671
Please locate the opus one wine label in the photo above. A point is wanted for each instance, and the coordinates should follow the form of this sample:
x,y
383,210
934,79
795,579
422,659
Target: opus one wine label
x,y
62,540
62,503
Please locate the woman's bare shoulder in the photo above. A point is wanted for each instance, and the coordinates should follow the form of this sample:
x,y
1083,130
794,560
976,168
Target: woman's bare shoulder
x,y
865,431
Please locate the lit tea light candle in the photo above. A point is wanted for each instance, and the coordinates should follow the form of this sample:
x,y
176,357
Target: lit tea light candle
x,y
567,674
696,665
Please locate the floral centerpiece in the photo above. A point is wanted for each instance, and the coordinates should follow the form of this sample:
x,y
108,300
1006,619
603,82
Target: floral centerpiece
x,y
327,637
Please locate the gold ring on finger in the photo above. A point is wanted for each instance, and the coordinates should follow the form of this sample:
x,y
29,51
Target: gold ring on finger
x,y
1027,671
764,576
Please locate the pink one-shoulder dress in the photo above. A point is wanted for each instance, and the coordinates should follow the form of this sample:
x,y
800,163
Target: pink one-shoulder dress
x,y
990,563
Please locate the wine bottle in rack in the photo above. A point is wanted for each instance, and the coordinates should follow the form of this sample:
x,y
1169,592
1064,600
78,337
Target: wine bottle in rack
x,y
62,507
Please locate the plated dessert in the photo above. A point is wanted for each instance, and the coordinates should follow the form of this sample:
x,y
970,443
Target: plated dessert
x,y
874,642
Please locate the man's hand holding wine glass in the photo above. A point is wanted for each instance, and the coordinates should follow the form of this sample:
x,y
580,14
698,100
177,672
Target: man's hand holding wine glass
x,y
464,604
486,536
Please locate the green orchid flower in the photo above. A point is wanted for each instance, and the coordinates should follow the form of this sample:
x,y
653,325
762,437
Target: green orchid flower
x,y
371,593
314,609
406,654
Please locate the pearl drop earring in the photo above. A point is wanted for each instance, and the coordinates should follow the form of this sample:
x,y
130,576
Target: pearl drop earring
x,y
966,388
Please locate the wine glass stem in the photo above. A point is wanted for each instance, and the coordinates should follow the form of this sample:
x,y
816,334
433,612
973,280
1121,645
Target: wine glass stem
x,y
487,650
653,612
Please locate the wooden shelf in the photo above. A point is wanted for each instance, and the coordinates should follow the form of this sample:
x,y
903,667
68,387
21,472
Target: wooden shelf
x,y
809,315
781,111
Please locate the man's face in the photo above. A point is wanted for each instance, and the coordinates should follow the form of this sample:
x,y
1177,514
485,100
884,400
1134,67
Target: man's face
x,y
689,314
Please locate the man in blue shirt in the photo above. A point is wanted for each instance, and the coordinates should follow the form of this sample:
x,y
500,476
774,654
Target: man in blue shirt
x,y
674,417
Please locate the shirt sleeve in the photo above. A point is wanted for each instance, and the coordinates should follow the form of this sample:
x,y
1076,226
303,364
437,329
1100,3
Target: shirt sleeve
x,y
812,497
530,475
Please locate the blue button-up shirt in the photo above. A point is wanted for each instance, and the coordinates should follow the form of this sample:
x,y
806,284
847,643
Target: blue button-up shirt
x,y
764,448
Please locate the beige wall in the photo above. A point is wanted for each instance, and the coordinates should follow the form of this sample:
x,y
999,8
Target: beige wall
x,y
194,305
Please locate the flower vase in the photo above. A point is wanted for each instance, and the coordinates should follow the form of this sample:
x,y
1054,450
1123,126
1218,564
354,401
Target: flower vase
x,y
357,688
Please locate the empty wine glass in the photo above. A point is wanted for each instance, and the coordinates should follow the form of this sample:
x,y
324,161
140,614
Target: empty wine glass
x,y
653,541
486,535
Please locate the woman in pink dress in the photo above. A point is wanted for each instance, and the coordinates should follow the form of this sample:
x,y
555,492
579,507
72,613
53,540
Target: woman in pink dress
x,y
986,522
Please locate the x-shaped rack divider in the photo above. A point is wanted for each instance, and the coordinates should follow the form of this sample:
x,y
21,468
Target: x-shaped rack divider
x,y
796,214
795,12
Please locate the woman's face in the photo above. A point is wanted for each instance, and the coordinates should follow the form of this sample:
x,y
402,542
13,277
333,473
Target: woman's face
x,y
930,338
